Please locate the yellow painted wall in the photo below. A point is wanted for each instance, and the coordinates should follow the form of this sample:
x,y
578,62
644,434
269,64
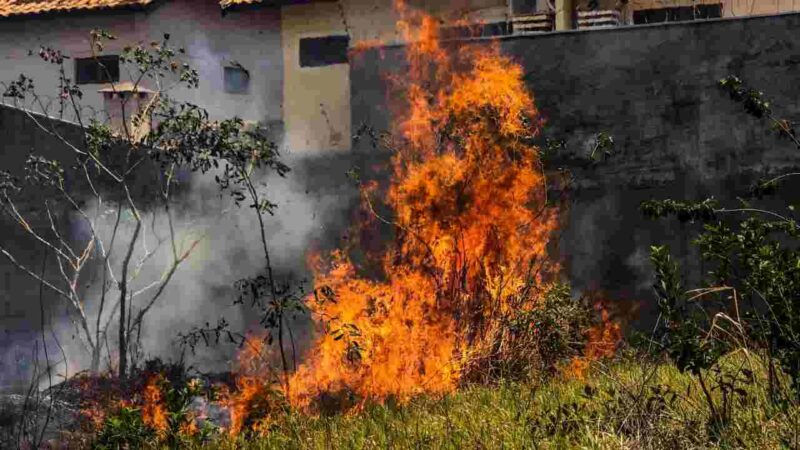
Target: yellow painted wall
x,y
316,100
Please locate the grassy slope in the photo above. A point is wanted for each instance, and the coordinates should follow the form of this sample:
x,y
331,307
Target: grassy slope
x,y
622,405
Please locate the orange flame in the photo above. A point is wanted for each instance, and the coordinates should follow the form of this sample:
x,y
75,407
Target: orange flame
x,y
253,391
602,342
154,413
470,222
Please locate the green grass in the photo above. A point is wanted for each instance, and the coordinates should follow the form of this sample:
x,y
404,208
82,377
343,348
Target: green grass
x,y
619,405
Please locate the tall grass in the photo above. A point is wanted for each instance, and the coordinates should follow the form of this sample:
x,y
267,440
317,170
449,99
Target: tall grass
x,y
630,403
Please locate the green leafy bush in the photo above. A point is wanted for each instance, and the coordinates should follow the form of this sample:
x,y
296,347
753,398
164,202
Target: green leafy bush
x,y
125,429
748,299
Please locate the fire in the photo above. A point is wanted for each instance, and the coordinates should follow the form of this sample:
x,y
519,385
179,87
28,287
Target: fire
x,y
471,226
466,203
98,396
154,412
363,45
253,391
602,341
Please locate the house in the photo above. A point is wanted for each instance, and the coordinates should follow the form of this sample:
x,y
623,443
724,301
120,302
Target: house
x,y
283,63
218,39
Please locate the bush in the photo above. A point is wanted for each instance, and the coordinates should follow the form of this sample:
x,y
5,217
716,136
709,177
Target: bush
x,y
748,300
533,342
125,429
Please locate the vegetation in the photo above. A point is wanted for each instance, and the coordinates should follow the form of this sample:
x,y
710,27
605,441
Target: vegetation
x,y
631,402
748,302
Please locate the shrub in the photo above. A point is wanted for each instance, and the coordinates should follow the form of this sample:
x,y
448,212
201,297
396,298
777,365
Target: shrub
x,y
125,429
748,299
534,341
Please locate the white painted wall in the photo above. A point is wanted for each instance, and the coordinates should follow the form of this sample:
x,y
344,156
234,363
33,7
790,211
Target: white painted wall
x,y
251,37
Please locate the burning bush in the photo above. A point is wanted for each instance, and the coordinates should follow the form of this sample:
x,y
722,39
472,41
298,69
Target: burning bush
x,y
463,290
467,268
151,406
255,399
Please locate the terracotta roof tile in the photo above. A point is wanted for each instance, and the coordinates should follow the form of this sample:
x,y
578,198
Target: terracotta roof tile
x,y
229,3
23,7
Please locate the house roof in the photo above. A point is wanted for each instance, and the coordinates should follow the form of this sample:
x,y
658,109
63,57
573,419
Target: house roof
x,y
24,7
229,3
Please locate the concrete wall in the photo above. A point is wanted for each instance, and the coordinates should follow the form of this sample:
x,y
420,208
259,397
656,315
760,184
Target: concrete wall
x,y
19,296
316,100
250,37
653,88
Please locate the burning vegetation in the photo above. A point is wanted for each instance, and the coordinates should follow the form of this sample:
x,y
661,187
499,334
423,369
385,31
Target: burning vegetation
x,y
467,205
456,285
455,293
452,281
448,302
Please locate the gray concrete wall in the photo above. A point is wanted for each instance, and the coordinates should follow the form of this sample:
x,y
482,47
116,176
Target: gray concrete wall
x,y
19,296
677,135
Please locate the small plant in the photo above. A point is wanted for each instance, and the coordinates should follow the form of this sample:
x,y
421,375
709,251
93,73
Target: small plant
x,y
125,429
535,342
603,147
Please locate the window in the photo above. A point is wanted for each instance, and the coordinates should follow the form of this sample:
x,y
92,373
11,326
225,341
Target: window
x,y
677,14
237,80
323,51
102,69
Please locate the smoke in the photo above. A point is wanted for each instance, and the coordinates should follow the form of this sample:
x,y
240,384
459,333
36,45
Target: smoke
x,y
312,208
313,205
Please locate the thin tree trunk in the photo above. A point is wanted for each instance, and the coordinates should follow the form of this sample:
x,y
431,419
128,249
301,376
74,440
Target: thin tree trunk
x,y
271,280
95,367
123,293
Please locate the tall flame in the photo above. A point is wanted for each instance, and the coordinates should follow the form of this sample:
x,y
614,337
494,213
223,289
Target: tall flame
x,y
154,413
467,204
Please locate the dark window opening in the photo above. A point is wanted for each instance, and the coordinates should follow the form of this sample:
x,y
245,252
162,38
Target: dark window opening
x,y
677,14
102,69
237,80
324,51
